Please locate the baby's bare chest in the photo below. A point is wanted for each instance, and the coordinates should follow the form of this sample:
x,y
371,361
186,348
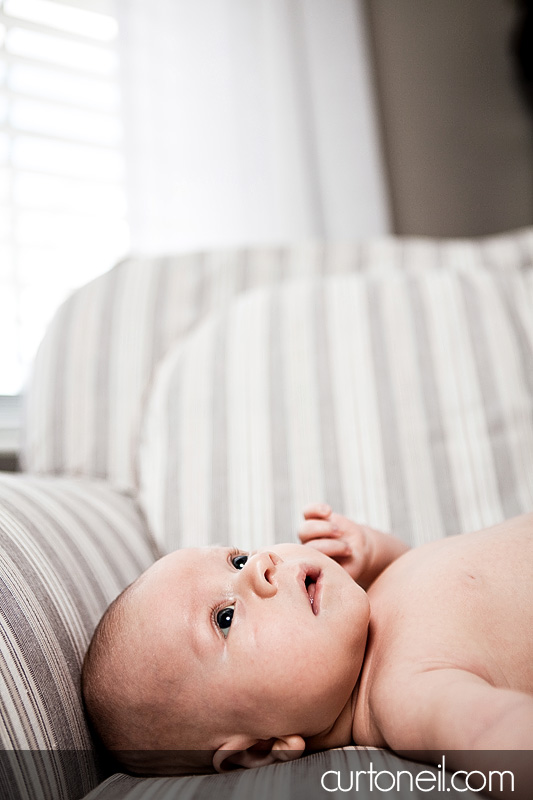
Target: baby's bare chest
x,y
464,603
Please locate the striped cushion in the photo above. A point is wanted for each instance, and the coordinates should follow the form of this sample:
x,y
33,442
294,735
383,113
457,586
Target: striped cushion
x,y
86,396
403,399
67,548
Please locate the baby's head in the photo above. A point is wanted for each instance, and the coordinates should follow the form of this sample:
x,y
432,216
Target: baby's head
x,y
215,658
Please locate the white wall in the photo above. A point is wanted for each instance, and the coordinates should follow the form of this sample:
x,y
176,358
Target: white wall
x,y
249,121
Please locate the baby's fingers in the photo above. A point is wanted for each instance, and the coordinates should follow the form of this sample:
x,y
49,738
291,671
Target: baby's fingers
x,y
334,548
317,511
317,529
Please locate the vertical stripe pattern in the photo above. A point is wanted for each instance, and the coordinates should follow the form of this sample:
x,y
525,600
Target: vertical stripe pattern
x,y
67,548
98,358
400,398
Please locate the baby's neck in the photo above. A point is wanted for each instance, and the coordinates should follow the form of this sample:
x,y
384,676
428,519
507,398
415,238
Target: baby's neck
x,y
339,734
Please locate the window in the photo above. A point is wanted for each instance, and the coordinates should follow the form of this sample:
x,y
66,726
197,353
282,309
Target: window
x,y
62,199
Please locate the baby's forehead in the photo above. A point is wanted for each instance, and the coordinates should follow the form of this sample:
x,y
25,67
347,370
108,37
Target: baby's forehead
x,y
188,555
181,567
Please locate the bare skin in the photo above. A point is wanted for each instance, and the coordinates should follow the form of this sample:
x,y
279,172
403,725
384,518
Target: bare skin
x,y
449,659
349,637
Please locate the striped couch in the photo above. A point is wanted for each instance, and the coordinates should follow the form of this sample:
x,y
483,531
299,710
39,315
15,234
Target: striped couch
x,y
206,398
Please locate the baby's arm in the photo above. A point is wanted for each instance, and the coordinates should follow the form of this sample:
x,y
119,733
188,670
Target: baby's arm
x,y
362,551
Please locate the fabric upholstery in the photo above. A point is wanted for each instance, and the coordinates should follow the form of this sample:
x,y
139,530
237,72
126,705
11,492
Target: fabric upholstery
x,y
85,400
67,548
404,400
291,781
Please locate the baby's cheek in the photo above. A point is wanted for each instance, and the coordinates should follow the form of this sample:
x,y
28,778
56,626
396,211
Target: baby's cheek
x,y
288,549
353,616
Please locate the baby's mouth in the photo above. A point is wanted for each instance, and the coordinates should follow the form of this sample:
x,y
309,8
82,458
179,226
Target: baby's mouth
x,y
311,579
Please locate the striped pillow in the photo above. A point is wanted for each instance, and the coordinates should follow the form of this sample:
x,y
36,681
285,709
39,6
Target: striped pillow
x,y
67,548
404,400
86,395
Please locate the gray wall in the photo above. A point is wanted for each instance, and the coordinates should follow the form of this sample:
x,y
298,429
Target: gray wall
x,y
457,137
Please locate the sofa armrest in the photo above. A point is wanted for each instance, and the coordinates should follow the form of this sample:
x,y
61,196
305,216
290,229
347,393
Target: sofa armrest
x,y
67,548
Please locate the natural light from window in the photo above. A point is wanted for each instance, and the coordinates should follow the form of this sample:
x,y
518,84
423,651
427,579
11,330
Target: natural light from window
x,y
62,198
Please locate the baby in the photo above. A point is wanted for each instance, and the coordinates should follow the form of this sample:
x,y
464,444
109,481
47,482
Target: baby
x,y
218,658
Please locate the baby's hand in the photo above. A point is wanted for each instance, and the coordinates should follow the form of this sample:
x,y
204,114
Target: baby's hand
x,y
337,537
362,551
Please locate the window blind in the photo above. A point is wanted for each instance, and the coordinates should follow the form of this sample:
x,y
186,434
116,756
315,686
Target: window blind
x,y
62,199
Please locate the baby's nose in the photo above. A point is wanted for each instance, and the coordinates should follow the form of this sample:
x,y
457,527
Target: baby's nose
x,y
261,570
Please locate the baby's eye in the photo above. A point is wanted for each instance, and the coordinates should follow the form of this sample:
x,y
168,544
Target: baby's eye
x,y
239,561
223,619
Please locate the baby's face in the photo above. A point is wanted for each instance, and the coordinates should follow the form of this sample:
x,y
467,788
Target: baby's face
x,y
272,641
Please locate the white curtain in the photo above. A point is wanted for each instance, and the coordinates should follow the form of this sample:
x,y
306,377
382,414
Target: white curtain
x,y
248,122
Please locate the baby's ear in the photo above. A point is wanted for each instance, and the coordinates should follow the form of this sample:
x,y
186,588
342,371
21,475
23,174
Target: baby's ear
x,y
241,751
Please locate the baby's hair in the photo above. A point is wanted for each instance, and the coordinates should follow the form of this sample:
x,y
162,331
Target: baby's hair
x,y
128,720
99,701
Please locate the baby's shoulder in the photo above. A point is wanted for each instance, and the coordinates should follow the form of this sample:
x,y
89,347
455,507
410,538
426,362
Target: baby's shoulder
x,y
401,674
411,708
